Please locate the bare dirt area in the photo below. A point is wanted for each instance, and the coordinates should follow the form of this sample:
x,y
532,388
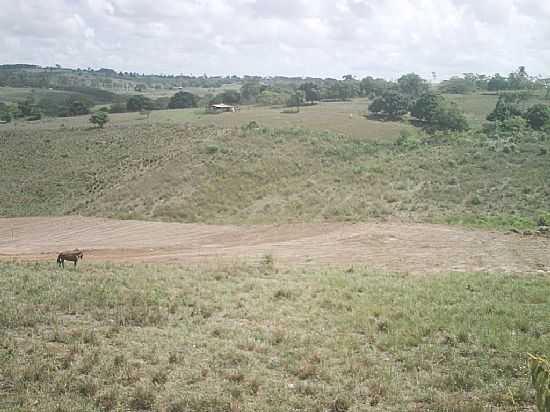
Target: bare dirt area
x,y
395,247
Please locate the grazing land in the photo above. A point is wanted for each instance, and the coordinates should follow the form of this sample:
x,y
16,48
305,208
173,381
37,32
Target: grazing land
x,y
249,338
476,106
325,117
184,173
265,260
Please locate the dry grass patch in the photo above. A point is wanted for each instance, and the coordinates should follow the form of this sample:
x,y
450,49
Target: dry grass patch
x,y
108,337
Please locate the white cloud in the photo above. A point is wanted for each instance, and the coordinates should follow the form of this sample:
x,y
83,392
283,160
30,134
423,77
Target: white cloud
x,y
288,37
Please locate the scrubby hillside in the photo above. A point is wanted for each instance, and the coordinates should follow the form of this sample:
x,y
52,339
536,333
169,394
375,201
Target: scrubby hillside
x,y
207,174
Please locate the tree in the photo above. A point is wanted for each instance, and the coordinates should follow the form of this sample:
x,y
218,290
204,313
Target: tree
x,y
5,113
370,86
497,82
311,91
391,103
231,97
519,80
250,91
504,109
76,107
412,85
458,85
538,116
26,106
99,118
297,99
426,106
449,117
439,114
183,100
138,103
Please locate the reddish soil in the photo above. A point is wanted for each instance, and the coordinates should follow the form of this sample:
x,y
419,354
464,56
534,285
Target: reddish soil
x,y
396,247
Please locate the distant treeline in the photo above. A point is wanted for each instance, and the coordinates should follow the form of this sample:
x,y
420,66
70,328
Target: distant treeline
x,y
24,75
75,92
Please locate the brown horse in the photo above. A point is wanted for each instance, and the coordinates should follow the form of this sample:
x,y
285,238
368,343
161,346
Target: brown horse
x,y
72,256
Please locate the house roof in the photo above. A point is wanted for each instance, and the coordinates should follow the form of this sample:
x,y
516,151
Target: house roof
x,y
221,106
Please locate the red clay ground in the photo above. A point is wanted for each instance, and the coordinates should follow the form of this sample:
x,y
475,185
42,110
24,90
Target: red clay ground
x,y
395,247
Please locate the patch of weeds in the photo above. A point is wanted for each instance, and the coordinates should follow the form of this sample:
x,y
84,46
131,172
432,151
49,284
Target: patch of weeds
x,y
107,399
198,403
307,370
339,405
143,397
159,377
235,376
282,294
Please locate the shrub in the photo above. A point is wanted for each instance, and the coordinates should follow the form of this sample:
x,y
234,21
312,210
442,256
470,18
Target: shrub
x,y
182,100
118,107
391,103
504,109
138,103
99,118
439,114
538,116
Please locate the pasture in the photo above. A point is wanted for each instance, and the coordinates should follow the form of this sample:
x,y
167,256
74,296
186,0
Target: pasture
x,y
347,297
332,117
185,173
248,338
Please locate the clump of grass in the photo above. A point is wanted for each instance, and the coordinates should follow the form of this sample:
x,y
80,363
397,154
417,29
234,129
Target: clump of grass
x,y
359,179
450,342
143,397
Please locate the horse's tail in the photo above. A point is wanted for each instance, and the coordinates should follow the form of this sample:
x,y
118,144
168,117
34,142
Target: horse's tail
x,y
59,259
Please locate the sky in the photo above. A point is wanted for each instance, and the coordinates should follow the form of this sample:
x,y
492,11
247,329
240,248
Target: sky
x,y
318,38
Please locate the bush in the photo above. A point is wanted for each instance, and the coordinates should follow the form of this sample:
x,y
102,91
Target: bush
x,y
538,116
75,106
139,103
513,126
99,118
391,103
182,100
504,109
438,114
118,107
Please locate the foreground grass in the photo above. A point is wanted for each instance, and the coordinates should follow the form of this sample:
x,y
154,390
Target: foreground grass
x,y
241,338
239,175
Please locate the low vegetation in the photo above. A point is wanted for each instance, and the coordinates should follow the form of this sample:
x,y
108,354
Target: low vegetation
x,y
262,175
248,338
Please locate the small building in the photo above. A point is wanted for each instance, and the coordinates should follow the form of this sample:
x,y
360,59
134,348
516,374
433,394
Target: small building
x,y
222,107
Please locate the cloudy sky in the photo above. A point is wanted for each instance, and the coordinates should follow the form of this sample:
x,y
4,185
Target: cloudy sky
x,y
287,37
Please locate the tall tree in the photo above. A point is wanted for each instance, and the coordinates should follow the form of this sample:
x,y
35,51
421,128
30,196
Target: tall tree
x,y
182,100
311,91
412,85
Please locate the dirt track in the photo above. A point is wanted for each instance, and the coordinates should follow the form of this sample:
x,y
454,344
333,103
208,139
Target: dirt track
x,y
414,248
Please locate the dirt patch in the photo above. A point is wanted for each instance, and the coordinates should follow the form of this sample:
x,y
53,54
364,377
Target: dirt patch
x,y
396,247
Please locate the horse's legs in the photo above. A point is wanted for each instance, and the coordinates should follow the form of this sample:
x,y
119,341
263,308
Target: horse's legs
x,y
75,262
63,263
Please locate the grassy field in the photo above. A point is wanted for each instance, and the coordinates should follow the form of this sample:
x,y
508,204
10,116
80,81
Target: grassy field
x,y
208,174
477,106
244,338
338,117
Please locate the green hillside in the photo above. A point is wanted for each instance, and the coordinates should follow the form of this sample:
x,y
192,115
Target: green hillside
x,y
240,175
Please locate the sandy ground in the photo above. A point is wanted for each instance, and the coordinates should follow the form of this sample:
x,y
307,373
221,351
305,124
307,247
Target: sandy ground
x,y
396,247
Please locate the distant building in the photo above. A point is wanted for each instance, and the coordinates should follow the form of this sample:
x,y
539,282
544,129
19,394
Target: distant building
x,y
221,107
